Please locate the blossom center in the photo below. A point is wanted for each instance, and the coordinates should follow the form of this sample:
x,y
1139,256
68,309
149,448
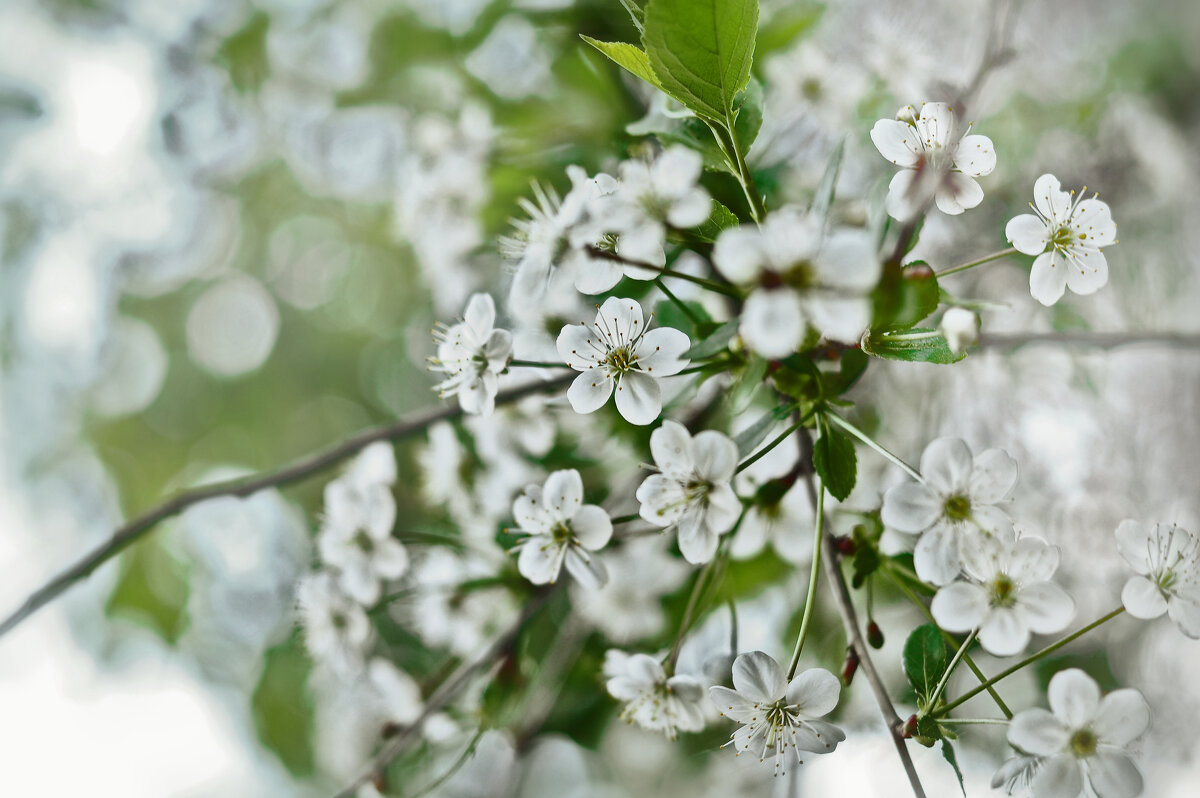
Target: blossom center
x,y
620,360
1063,238
364,542
957,508
561,533
1083,743
1003,591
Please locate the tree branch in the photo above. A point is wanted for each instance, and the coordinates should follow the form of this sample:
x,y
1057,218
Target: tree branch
x,y
1098,340
447,692
305,467
841,596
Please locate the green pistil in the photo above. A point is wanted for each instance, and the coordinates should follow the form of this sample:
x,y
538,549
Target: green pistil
x,y
1003,592
957,508
1062,238
363,541
1083,743
619,360
562,532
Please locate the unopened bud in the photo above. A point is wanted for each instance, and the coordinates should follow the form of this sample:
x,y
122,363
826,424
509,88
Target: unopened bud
x,y
910,726
849,667
874,635
960,328
845,546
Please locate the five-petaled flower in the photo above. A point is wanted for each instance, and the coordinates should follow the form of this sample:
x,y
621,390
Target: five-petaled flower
x,y
560,530
777,716
618,353
953,507
1066,236
1007,594
473,354
1167,559
803,278
653,700
1082,740
692,492
928,147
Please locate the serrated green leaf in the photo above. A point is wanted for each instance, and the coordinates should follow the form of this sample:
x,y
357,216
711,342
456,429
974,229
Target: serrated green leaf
x,y
748,113
823,197
853,364
929,347
951,757
928,731
721,219
701,51
695,133
628,56
716,342
835,460
925,659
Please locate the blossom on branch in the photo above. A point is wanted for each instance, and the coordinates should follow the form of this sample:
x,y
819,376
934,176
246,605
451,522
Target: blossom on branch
x,y
691,492
929,147
1066,235
560,529
617,353
653,700
1167,560
472,353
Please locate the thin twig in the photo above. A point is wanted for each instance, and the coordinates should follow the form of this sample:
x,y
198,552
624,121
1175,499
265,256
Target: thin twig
x,y
841,595
447,692
305,467
1098,340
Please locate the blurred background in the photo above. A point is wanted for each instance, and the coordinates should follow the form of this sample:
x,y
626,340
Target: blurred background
x,y
227,226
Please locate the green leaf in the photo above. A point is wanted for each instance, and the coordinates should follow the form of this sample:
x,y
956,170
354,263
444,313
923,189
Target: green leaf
x,y
928,731
696,134
721,219
823,198
627,56
748,439
716,342
930,349
854,363
282,706
668,314
636,14
905,297
925,659
835,460
748,113
788,25
701,51
949,755
748,383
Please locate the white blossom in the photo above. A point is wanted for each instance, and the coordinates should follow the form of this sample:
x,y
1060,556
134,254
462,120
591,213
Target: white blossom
x,y
929,147
472,353
691,492
356,533
336,629
1066,235
1167,560
618,353
653,700
800,278
649,198
952,507
1081,741
779,717
1006,595
560,530
960,328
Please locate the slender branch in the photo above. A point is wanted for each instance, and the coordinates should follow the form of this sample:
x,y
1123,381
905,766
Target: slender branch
x,y
303,468
778,439
809,601
958,655
1098,340
865,438
679,303
962,267
891,565
697,589
711,285
447,692
841,595
1004,674
537,364
974,721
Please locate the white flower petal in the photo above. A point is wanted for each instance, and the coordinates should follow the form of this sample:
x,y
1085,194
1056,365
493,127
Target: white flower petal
x,y
1048,278
976,156
662,500
814,692
959,607
1038,732
587,569
690,210
1142,598
715,455
1074,697
1059,777
671,448
849,259
993,475
1028,234
597,275
897,141
724,509
738,254
562,493
902,203
480,315
1003,634
592,527
697,542
910,507
758,677
1184,610
732,704
539,560
1113,775
838,318
639,399
1134,543
660,352
935,556
579,346
1046,607
773,322
957,193
589,391
1093,225
946,466
1122,717
1087,271
1051,200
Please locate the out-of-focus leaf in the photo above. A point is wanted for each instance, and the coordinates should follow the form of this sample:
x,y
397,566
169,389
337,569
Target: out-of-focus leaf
x,y
748,439
714,343
721,219
788,25
905,296
951,757
636,13
823,198
282,706
835,460
929,347
748,383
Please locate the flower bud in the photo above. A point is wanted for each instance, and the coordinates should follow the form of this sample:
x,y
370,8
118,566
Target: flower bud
x,y
849,667
908,115
960,328
874,635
